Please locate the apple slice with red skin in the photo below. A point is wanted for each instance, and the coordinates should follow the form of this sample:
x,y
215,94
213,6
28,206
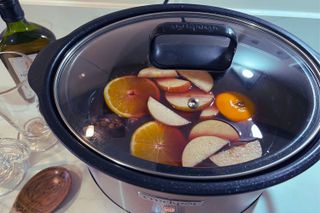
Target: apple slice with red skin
x,y
201,79
181,101
201,148
153,72
165,115
173,84
238,154
209,112
216,128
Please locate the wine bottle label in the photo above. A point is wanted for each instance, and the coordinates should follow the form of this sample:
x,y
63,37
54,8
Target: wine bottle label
x,y
21,67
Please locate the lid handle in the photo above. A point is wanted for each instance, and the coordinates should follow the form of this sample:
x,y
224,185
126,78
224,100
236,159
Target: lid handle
x,y
185,45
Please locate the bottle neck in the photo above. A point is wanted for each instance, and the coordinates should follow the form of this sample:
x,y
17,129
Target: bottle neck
x,y
11,11
18,26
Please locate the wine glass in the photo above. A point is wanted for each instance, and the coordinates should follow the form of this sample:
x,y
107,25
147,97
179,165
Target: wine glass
x,y
19,104
13,164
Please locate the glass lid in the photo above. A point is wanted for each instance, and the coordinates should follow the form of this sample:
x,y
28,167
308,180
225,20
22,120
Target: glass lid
x,y
141,93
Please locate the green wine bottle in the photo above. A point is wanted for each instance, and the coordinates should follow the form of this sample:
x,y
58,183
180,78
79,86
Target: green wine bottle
x,y
23,37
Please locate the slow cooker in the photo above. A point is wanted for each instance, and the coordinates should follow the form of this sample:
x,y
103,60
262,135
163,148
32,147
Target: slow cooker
x,y
106,91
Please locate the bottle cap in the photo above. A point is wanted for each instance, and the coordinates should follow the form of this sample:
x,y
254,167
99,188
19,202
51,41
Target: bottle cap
x,y
10,10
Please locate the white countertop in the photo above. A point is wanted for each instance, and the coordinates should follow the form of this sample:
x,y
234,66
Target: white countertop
x,y
84,196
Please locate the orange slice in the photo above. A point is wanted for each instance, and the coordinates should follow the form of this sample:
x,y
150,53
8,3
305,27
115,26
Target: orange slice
x,y
127,96
158,143
235,106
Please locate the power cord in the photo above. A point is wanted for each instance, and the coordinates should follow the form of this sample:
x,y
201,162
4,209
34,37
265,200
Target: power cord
x,y
166,2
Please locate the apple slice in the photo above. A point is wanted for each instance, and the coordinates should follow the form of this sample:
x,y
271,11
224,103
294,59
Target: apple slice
x,y
201,79
193,100
174,84
209,113
238,154
200,149
165,115
216,128
153,72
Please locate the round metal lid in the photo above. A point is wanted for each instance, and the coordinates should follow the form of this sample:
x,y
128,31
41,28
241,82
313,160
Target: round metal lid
x,y
231,120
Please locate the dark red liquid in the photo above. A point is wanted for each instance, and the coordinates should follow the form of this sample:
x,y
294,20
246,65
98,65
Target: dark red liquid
x,y
113,129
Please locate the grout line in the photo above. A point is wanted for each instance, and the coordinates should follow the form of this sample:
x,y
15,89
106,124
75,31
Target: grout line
x,y
112,5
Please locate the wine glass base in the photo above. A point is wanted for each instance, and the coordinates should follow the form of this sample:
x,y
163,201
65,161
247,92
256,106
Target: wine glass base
x,y
40,145
14,178
39,136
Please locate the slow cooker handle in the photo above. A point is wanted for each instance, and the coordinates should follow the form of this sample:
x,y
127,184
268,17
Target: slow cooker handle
x,y
41,67
186,45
